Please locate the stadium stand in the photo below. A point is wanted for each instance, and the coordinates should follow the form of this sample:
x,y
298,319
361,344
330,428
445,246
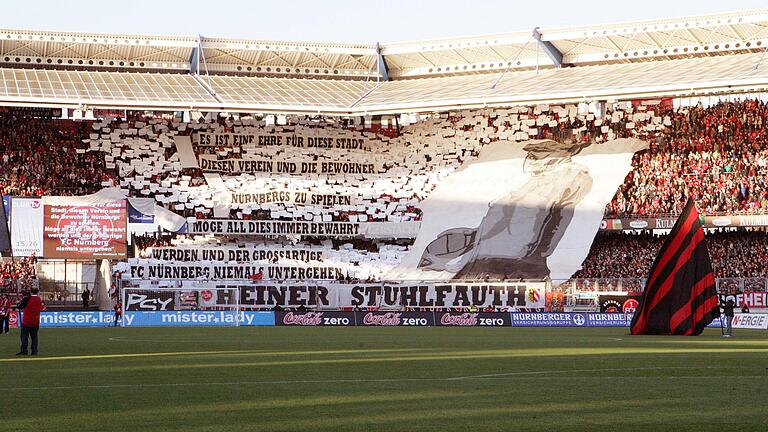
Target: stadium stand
x,y
734,255
715,153
39,157
17,274
409,118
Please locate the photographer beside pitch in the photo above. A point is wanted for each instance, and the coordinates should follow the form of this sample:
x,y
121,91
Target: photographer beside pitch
x,y
728,312
30,307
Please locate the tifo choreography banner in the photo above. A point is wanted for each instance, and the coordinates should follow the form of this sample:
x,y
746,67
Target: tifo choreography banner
x,y
232,253
222,271
520,210
289,197
275,228
528,296
210,163
338,141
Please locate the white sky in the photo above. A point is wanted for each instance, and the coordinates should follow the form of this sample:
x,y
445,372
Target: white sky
x,y
340,20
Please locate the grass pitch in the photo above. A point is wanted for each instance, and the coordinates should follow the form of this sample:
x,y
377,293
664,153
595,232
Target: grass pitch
x,y
352,379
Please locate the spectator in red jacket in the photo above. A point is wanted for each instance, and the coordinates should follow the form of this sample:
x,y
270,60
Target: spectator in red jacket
x,y
5,313
30,306
118,312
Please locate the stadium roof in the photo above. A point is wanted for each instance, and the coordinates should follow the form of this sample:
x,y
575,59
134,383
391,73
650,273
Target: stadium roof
x,y
677,56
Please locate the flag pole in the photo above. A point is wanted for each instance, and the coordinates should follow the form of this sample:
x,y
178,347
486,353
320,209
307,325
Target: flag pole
x,y
722,328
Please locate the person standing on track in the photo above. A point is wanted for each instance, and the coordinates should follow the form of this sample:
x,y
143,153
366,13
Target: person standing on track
x,y
728,312
118,312
30,306
5,313
86,296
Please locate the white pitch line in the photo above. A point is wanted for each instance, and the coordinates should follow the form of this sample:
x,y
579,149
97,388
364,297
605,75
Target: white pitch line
x,y
511,375
589,370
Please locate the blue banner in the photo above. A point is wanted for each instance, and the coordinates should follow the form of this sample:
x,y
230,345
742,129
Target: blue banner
x,y
570,319
197,318
77,319
609,319
135,216
548,319
717,323
155,319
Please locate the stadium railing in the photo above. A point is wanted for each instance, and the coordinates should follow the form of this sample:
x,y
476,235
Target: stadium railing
x,y
61,293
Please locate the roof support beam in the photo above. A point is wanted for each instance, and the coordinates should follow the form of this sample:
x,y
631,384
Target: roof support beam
x,y
198,55
381,64
194,61
552,52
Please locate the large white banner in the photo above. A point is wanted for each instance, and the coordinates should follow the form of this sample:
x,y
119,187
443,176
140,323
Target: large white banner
x,y
274,228
277,228
333,296
211,163
285,196
147,269
27,226
521,210
431,295
233,254
335,141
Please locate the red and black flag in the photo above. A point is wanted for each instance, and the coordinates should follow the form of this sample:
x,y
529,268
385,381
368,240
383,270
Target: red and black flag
x,y
680,296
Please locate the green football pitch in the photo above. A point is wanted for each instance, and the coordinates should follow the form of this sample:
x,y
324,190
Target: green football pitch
x,y
361,379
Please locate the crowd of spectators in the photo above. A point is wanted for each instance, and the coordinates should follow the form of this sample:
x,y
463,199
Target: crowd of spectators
x,y
17,274
740,254
717,155
18,268
38,156
144,241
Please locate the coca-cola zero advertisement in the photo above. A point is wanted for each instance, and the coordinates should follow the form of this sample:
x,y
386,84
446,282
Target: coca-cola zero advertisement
x,y
313,318
399,318
469,319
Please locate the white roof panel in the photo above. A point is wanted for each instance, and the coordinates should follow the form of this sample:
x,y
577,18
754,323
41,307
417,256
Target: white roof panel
x,y
613,81
93,88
